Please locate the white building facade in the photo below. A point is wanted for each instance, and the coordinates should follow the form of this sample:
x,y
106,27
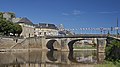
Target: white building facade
x,y
43,29
28,29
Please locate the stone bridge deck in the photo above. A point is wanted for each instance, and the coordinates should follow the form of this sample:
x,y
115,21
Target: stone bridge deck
x,y
81,36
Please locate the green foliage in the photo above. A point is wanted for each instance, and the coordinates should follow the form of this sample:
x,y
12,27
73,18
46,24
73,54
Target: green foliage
x,y
84,47
113,51
16,29
7,27
1,15
106,64
108,33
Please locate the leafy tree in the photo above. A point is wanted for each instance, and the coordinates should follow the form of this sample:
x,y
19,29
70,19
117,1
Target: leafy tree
x,y
16,29
1,15
113,51
7,27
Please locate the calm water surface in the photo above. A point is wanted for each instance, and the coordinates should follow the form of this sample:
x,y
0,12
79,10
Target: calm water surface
x,y
37,58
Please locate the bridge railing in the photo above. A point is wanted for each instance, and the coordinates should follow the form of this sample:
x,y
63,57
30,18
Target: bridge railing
x,y
81,36
115,36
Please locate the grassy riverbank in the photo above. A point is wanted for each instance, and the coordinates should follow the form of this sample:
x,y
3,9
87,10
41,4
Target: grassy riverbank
x,y
108,64
84,47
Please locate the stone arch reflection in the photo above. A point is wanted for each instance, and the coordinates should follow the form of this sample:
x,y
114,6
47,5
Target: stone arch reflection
x,y
53,44
50,56
70,57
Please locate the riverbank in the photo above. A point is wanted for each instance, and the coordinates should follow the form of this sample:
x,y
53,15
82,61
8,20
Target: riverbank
x,y
108,64
26,43
83,49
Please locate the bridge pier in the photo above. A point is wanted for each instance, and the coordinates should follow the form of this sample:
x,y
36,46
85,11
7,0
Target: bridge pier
x,y
101,44
64,44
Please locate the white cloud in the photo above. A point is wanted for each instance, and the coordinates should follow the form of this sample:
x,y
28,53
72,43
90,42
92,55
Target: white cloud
x,y
74,12
65,14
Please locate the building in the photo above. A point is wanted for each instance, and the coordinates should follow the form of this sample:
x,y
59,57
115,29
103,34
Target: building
x,y
43,29
27,27
63,32
8,15
14,20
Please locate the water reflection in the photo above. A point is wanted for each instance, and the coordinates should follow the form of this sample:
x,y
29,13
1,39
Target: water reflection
x,y
48,59
50,56
70,57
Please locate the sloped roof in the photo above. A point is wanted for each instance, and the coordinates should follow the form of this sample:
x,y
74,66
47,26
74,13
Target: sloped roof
x,y
25,21
45,25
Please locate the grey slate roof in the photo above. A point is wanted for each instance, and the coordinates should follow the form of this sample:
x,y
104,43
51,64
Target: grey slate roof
x,y
25,21
45,25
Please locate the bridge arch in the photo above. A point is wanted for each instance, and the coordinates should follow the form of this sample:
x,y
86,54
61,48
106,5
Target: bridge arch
x,y
53,45
70,44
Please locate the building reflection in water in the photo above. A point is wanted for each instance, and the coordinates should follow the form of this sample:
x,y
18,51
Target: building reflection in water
x,y
49,59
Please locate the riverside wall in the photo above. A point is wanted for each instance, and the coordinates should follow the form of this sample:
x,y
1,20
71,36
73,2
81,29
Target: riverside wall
x,y
14,43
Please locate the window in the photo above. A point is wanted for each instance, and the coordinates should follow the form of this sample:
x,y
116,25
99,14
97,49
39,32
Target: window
x,y
39,33
44,33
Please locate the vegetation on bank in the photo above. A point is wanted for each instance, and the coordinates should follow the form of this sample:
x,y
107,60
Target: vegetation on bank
x,y
113,51
112,54
84,47
108,64
8,28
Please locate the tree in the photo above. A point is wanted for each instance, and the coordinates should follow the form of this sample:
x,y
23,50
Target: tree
x,y
3,25
1,15
18,29
7,27
108,33
113,51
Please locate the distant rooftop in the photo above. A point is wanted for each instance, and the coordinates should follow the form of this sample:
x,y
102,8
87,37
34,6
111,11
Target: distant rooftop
x,y
45,25
25,21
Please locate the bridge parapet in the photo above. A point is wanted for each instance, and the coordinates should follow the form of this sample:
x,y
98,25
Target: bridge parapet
x,y
81,36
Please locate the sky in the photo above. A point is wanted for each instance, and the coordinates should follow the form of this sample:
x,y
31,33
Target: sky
x,y
70,13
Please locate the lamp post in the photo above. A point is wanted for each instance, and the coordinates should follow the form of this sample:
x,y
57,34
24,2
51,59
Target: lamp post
x,y
101,29
117,28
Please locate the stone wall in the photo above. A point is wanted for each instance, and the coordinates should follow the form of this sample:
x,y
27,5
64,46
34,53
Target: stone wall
x,y
10,43
29,43
6,43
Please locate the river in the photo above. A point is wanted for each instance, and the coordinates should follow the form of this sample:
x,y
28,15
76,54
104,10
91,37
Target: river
x,y
38,58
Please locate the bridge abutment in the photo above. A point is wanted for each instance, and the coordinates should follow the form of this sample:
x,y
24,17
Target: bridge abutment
x,y
101,44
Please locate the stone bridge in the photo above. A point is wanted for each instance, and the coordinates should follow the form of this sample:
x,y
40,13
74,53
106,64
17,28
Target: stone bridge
x,y
66,43
62,43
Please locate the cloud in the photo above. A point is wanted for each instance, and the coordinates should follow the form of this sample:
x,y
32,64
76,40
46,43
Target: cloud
x,y
73,13
108,12
65,14
76,12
